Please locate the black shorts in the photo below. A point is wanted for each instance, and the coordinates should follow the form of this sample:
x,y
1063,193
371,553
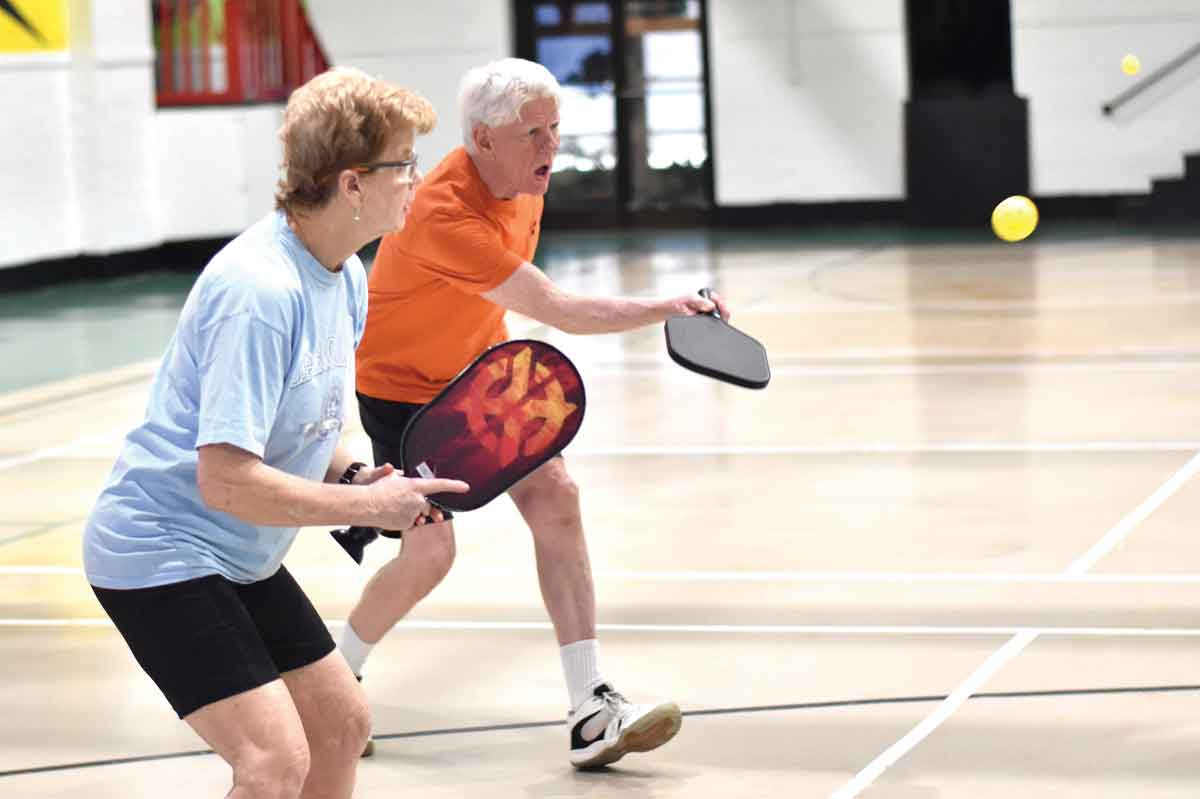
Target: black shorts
x,y
210,638
384,422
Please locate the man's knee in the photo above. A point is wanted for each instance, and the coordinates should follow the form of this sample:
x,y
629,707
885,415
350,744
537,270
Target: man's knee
x,y
564,489
552,497
433,547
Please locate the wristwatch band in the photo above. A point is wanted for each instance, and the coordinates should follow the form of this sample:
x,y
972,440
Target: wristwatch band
x,y
348,476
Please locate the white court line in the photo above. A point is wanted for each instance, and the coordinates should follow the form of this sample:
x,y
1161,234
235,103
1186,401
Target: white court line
x,y
779,367
848,305
967,447
753,629
628,575
1017,644
64,449
871,355
885,448
1180,364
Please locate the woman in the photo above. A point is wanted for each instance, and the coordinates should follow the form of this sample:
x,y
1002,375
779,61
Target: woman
x,y
239,448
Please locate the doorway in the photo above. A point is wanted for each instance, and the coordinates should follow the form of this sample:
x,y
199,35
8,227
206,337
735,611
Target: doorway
x,y
635,122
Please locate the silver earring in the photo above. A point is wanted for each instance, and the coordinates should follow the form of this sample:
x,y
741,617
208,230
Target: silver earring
x,y
355,214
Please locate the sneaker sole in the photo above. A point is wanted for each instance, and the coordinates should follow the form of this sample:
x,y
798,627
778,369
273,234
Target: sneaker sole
x,y
650,732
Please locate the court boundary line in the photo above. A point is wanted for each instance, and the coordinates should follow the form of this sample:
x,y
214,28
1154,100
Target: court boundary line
x,y
1015,645
690,629
657,365
634,450
750,576
861,362
142,374
848,304
71,447
747,709
949,447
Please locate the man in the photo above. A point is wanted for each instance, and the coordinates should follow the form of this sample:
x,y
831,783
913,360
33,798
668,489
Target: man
x,y
438,294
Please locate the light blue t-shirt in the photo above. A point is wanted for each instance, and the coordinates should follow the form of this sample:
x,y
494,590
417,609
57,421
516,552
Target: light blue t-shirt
x,y
261,359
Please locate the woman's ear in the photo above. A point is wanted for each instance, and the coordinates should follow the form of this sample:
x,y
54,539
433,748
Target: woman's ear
x,y
349,184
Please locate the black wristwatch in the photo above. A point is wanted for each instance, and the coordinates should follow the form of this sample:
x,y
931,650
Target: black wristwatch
x,y
348,476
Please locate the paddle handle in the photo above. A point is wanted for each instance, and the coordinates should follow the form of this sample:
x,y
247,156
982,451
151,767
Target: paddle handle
x,y
706,293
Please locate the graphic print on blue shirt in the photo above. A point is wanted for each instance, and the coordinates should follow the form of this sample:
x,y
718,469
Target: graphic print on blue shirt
x,y
312,365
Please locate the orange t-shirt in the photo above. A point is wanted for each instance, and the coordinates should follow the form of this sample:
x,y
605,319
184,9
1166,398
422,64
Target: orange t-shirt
x,y
425,318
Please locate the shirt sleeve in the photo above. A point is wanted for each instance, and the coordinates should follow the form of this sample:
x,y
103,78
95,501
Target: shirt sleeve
x,y
241,379
465,251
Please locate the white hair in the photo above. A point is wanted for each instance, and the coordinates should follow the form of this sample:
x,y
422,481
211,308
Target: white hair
x,y
493,95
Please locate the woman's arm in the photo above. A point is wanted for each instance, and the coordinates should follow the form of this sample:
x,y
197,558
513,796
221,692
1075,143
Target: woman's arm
x,y
340,463
237,482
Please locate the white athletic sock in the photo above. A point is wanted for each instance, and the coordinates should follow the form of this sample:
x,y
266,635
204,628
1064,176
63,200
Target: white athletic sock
x,y
580,662
354,649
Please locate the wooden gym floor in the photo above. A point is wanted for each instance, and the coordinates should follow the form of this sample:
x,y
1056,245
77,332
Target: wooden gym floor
x,y
949,552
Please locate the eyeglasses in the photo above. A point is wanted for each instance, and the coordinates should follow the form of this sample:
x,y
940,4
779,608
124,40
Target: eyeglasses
x,y
405,170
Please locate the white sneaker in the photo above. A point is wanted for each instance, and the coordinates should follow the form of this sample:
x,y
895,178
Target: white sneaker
x,y
606,727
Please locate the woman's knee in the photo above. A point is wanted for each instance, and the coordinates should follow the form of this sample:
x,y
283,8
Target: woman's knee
x,y
277,772
356,728
345,735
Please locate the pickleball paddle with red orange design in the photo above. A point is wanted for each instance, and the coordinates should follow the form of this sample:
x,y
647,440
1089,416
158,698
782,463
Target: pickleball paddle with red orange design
x,y
514,408
505,415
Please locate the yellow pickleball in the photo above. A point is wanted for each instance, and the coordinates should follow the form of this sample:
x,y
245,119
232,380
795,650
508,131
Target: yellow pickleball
x,y
1131,64
1015,218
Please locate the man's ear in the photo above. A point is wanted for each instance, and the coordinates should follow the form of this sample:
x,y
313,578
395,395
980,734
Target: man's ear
x,y
482,136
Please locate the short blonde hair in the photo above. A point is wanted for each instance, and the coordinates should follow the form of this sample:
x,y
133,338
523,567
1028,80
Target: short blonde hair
x,y
494,94
340,119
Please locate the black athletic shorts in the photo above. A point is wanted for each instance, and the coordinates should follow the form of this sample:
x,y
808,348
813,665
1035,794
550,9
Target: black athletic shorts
x,y
210,638
384,422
